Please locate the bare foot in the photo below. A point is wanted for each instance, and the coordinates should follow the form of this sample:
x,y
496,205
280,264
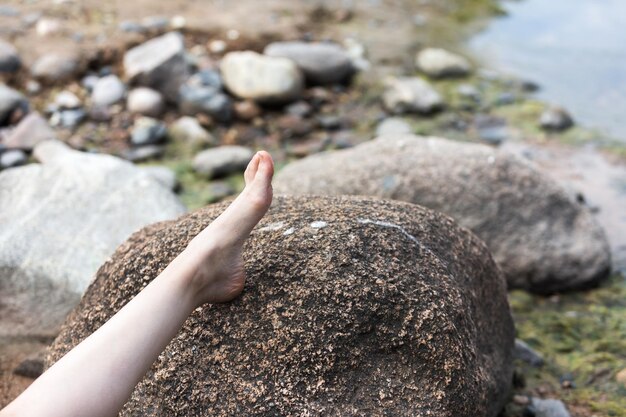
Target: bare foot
x,y
219,274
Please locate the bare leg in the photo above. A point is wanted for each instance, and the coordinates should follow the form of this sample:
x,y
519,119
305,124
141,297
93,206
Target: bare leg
x,y
97,376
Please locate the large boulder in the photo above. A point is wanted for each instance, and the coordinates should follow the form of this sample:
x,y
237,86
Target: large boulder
x,y
58,222
543,238
352,307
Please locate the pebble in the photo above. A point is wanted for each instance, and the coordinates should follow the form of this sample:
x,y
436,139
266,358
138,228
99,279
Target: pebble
x,y
54,68
33,87
547,408
207,100
330,121
107,91
505,99
493,130
130,26
31,130
147,131
48,26
217,46
555,119
468,91
144,153
527,354
439,63
145,101
163,175
9,58
247,110
67,100
321,62
409,95
89,82
12,158
294,126
70,118
13,105
155,23
393,126
249,75
222,161
30,368
187,129
299,108
206,78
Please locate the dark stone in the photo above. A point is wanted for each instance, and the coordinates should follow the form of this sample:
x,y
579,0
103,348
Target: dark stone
x,y
30,368
148,131
13,105
526,354
144,153
208,100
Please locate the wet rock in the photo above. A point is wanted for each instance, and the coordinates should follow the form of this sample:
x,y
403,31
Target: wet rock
x,y
439,63
527,354
144,153
206,100
9,58
74,208
261,78
547,408
555,119
32,130
159,63
12,158
30,368
321,62
107,91
341,293
393,126
222,161
145,101
55,68
411,95
247,110
67,100
163,175
13,105
544,239
147,131
188,129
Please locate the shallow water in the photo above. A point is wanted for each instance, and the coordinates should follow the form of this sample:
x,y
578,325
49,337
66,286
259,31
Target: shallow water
x,y
574,49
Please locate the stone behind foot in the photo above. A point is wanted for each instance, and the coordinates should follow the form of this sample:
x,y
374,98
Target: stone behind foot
x,y
352,306
543,239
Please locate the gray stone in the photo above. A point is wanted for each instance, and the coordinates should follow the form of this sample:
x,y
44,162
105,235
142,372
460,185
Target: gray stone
x,y
60,221
89,82
12,158
206,78
131,27
493,130
144,153
261,78
55,68
70,118
393,126
321,63
163,175
12,104
148,131
468,91
159,63
145,101
9,58
188,129
67,100
207,100
436,62
527,354
548,408
352,307
555,119
107,91
222,161
543,238
32,130
411,95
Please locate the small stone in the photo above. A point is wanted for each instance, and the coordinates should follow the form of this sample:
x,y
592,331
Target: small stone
x,y
468,91
131,27
178,22
261,78
555,119
147,131
187,129
155,23
33,87
89,82
67,100
330,121
47,26
217,46
30,368
411,94
144,153
206,78
55,68
107,91
439,63
219,190
247,110
294,126
206,100
505,99
9,58
32,130
145,101
299,108
493,130
393,126
521,399
100,114
621,376
12,158
527,354
163,175
30,19
70,118
548,408
222,161
13,105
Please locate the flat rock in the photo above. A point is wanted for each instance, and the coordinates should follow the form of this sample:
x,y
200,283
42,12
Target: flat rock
x,y
543,238
12,105
439,63
145,101
55,68
9,58
222,161
411,95
108,90
159,63
62,219
352,307
321,62
261,78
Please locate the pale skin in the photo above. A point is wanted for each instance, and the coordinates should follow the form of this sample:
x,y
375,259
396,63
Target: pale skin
x,y
97,377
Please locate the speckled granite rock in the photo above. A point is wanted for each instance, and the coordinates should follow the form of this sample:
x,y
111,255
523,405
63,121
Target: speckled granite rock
x,y
543,239
352,307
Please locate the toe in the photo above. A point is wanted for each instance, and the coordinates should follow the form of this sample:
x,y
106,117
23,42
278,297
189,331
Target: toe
x,y
252,168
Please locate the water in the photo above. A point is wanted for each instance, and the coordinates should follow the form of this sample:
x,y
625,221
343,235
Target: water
x,y
576,51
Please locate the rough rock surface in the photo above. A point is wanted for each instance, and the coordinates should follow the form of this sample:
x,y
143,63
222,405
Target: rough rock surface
x,y
352,307
439,63
58,222
543,238
321,62
411,95
261,78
